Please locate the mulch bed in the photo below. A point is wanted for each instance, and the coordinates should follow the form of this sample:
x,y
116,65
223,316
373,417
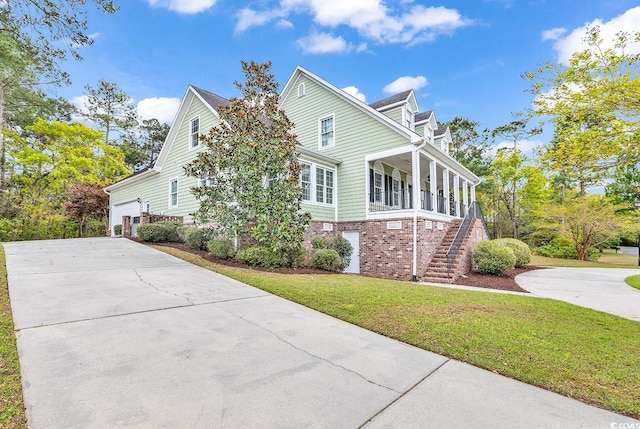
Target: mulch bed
x,y
504,282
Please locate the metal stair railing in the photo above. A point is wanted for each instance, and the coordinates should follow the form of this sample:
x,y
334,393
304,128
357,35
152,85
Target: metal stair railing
x,y
473,213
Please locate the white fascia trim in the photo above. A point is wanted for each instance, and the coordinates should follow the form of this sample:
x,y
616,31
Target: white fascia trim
x,y
391,152
448,161
304,152
412,136
130,180
391,214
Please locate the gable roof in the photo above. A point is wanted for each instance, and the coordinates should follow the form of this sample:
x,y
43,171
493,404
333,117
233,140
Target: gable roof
x,y
391,100
423,116
399,128
441,130
214,101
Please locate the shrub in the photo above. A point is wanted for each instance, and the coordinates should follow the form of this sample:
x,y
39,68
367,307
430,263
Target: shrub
x,y
117,229
198,238
220,248
562,247
175,231
338,243
154,232
261,256
520,249
492,257
326,259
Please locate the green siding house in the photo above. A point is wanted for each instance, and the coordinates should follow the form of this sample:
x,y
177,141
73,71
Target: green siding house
x,y
379,174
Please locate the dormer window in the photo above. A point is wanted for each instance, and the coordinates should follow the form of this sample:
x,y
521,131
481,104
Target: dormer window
x,y
301,90
409,117
194,135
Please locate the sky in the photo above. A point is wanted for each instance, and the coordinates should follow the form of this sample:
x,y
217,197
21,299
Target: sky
x,y
462,57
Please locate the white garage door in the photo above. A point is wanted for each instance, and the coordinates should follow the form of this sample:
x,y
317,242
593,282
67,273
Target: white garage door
x,y
126,209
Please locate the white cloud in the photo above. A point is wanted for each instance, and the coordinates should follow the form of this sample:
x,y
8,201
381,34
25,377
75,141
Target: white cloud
x,y
371,18
322,43
404,83
355,92
161,108
283,23
553,34
628,21
184,6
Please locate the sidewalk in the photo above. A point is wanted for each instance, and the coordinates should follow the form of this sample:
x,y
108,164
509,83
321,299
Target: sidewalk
x,y
113,333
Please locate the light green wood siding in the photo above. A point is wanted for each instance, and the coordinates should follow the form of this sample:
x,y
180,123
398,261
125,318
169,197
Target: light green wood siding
x,y
155,189
395,114
356,134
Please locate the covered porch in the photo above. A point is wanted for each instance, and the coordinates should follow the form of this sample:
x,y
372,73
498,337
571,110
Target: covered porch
x,y
418,179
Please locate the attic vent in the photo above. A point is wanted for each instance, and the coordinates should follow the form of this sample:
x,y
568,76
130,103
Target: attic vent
x,y
301,90
396,224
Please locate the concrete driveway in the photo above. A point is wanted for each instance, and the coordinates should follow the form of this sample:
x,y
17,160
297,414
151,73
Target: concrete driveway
x,y
601,289
112,333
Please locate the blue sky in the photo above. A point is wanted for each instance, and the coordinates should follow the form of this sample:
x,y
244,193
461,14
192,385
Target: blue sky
x,y
463,58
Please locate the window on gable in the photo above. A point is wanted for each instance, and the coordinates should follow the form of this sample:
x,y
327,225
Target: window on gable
x,y
326,132
410,117
194,136
305,182
301,90
173,193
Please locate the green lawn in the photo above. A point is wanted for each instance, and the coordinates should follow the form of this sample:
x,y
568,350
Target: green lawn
x,y
12,414
608,259
580,353
633,281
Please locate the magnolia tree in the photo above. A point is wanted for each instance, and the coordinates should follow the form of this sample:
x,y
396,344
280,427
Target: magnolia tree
x,y
250,169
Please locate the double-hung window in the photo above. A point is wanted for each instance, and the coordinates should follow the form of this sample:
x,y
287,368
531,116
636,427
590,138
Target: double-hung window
x,y
173,193
324,185
194,132
205,180
327,132
396,193
377,187
305,182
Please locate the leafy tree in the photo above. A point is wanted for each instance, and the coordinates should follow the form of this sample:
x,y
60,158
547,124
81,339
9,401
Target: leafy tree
x,y
86,201
625,187
252,162
594,104
468,146
110,108
142,145
589,221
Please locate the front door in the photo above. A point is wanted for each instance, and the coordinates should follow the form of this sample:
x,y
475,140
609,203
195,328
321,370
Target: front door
x,y
353,237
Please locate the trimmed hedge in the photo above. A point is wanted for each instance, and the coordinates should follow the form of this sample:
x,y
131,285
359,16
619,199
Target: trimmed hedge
x,y
493,257
175,232
338,243
520,249
261,256
153,233
221,248
327,259
117,229
198,238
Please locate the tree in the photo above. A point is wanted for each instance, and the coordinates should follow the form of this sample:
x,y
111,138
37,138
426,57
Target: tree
x,y
594,104
625,187
252,166
110,108
86,201
589,221
468,146
142,145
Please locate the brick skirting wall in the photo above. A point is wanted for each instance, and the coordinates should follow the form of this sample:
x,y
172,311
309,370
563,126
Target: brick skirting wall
x,y
384,252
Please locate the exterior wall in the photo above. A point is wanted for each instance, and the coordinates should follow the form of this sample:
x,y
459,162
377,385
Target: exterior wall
x,y
429,240
155,187
395,113
356,134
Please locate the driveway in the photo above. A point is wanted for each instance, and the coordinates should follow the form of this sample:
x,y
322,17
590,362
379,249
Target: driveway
x,y
601,289
112,333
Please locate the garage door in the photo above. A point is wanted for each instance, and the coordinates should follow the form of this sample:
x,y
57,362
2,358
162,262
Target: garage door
x,y
131,208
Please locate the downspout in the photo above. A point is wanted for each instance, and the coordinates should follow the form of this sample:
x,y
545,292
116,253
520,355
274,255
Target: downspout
x,y
416,201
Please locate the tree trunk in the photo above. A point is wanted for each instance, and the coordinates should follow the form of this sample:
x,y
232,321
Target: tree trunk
x,y
3,148
584,255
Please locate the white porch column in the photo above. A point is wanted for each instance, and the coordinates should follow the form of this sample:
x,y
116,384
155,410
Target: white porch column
x,y
465,195
445,191
415,177
473,193
433,185
456,195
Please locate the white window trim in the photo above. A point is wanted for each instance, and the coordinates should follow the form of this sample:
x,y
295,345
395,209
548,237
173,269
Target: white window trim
x,y
313,201
191,147
333,117
378,168
310,182
170,205
302,90
146,206
396,178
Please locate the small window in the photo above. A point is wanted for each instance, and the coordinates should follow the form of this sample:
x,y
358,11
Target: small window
x,y
147,206
301,90
194,139
205,180
326,132
410,117
173,193
305,182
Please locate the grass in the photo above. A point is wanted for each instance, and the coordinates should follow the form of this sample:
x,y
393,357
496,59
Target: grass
x,y
577,352
608,259
633,281
12,415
